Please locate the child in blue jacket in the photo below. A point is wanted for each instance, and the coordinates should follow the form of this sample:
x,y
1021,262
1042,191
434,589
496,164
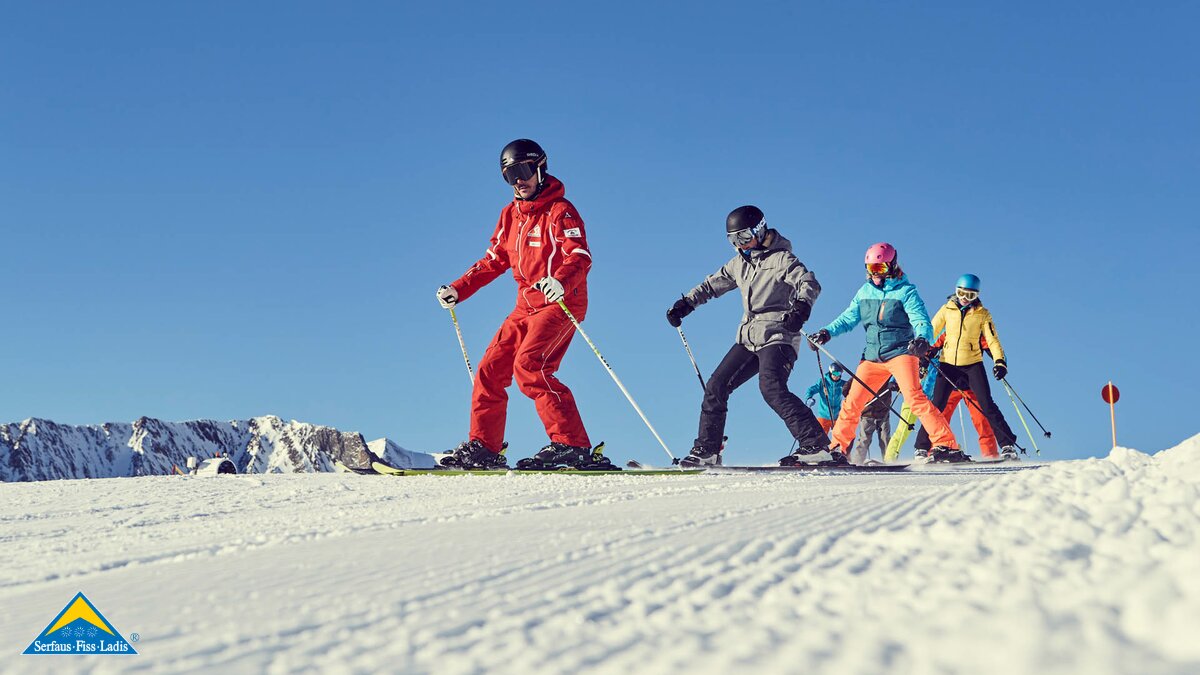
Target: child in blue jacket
x,y
826,397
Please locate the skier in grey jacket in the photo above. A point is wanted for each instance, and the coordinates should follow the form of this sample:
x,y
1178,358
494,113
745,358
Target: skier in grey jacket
x,y
777,296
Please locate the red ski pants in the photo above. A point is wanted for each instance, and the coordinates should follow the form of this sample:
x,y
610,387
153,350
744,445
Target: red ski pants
x,y
825,424
875,375
987,438
530,347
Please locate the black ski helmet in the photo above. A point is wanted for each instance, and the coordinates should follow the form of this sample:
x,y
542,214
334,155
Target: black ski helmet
x,y
522,150
744,217
744,226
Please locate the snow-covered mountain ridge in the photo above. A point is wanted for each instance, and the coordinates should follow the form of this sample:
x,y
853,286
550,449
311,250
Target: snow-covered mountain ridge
x,y
38,449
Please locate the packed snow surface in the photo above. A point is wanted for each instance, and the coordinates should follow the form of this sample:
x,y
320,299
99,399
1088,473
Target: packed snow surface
x,y
1088,566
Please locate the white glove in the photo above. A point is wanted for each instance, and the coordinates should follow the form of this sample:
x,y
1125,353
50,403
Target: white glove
x,y
551,287
447,296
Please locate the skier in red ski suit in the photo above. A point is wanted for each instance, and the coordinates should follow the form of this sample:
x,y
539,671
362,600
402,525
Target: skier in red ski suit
x,y
541,238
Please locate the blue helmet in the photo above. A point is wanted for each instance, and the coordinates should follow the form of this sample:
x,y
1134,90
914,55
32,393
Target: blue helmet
x,y
969,282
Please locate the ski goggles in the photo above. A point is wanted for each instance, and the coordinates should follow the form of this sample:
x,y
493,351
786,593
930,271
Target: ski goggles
x,y
879,269
966,295
519,171
742,238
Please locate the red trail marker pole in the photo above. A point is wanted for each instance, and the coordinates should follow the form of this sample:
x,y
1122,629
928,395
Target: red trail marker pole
x,y
1111,395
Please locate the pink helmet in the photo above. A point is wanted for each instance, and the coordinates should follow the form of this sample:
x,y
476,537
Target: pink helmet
x,y
882,252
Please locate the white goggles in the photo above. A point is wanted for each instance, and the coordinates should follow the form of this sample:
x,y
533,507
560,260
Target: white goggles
x,y
966,295
743,238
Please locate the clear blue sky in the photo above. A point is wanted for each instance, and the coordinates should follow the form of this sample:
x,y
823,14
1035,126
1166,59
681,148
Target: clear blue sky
x,y
221,210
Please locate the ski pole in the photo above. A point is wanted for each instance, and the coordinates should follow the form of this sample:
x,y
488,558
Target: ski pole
x,y
1009,391
689,353
617,380
824,390
962,424
824,351
462,345
1035,419
960,391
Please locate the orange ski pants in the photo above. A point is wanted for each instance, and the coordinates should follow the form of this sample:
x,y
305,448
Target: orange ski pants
x,y
875,375
987,438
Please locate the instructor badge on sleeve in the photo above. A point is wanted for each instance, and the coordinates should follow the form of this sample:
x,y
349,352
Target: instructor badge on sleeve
x,y
573,232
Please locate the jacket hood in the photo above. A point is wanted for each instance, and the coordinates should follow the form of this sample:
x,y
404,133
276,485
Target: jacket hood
x,y
552,191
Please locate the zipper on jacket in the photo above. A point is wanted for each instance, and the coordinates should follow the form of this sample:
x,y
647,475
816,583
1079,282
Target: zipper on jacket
x,y
521,258
962,328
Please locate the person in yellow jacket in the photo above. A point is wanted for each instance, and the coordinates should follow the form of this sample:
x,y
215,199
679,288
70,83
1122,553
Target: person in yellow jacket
x,y
966,322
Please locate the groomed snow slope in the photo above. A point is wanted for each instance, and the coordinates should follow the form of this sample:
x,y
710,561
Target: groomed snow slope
x,y
1086,566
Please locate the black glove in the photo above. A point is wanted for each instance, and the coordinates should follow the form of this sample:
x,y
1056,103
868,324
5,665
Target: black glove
x,y
923,371
794,320
931,354
1000,370
818,338
918,347
680,309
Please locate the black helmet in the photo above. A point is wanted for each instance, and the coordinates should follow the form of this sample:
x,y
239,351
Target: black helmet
x,y
744,224
744,217
526,157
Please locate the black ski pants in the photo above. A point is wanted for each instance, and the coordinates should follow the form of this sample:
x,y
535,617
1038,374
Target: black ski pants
x,y
773,365
973,378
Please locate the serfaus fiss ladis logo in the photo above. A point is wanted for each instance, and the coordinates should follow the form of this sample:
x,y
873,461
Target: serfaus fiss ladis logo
x,y
80,629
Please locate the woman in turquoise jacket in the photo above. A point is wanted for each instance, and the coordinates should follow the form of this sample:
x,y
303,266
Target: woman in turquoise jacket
x,y
897,324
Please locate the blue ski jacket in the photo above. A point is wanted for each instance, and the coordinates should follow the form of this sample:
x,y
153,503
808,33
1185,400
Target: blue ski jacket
x,y
892,315
833,389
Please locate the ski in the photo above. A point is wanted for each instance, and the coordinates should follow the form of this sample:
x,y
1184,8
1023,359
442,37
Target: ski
x,y
978,466
386,470
833,468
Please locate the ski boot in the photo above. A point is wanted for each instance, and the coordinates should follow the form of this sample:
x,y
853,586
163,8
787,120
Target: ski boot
x,y
599,461
813,454
701,457
921,456
1009,454
943,454
558,456
473,455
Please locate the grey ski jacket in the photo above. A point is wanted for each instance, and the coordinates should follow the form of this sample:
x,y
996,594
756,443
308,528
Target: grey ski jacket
x,y
772,280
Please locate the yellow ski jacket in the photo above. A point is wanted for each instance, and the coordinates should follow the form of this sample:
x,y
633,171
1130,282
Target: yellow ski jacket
x,y
964,326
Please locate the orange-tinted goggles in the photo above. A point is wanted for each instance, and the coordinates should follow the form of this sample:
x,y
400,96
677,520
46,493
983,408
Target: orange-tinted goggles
x,y
878,269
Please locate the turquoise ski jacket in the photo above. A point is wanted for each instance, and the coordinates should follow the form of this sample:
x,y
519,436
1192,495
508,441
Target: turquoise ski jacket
x,y
833,390
892,315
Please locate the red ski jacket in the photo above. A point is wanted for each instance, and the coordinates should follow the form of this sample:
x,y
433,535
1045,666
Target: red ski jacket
x,y
537,238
